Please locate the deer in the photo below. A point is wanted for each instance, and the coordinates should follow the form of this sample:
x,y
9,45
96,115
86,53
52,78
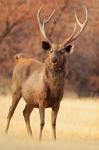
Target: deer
x,y
41,84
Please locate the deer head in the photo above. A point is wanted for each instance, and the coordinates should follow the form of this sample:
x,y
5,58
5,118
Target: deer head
x,y
57,52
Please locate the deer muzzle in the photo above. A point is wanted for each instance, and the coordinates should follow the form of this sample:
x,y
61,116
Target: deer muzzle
x,y
54,58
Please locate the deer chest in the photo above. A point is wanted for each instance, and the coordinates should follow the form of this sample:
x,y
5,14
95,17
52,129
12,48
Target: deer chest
x,y
54,95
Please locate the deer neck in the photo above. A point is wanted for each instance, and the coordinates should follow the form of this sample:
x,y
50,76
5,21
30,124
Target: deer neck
x,y
55,75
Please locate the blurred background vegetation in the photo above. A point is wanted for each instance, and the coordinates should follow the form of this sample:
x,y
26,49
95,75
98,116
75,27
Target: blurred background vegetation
x,y
19,33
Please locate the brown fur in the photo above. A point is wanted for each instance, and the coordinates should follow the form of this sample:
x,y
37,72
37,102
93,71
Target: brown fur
x,y
41,85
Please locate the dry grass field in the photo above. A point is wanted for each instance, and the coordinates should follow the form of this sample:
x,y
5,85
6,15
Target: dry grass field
x,y
77,126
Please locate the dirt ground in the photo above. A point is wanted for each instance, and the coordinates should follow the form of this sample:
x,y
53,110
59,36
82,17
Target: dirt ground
x,y
77,126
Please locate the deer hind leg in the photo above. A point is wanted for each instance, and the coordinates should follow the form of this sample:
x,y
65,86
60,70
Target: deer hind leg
x,y
15,99
53,119
26,113
42,118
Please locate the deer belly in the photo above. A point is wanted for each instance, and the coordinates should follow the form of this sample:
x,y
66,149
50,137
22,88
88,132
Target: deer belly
x,y
32,92
32,96
29,95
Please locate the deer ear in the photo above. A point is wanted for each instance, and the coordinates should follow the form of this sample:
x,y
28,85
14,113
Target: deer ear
x,y
45,45
69,49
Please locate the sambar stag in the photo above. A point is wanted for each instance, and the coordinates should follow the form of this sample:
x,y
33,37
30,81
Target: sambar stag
x,y
42,84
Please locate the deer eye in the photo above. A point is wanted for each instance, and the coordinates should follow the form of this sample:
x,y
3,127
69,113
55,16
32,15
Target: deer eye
x,y
61,51
51,51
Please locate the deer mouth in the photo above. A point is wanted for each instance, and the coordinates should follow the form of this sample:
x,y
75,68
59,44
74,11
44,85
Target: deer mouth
x,y
55,64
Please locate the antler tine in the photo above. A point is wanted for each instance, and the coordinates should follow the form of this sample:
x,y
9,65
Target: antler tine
x,y
73,36
49,18
42,24
77,19
82,25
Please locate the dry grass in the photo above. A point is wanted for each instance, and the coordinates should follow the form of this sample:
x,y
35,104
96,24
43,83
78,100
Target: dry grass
x,y
77,126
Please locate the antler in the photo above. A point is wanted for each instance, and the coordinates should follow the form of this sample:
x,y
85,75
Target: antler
x,y
73,36
43,23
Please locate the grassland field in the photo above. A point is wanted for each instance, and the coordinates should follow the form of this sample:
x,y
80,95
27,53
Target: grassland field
x,y
77,126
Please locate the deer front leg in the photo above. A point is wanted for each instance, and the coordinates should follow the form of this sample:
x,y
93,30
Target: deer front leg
x,y
42,117
53,119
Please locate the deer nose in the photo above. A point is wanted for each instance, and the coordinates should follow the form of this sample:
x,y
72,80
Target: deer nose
x,y
54,59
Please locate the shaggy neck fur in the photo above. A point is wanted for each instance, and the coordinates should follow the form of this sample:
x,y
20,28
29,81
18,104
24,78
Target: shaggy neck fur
x,y
55,75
